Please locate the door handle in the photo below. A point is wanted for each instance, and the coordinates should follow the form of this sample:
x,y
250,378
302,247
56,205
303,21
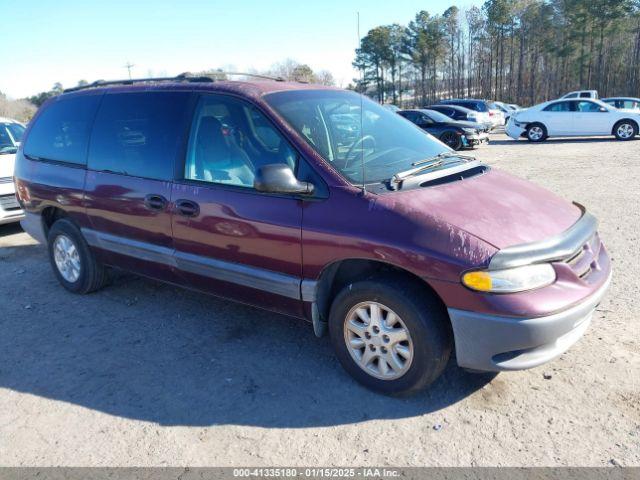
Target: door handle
x,y
155,202
187,208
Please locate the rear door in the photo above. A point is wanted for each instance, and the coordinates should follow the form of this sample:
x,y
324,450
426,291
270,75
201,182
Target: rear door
x,y
231,240
136,139
588,119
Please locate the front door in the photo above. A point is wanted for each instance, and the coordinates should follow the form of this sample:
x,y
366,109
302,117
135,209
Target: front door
x,y
135,141
231,240
558,118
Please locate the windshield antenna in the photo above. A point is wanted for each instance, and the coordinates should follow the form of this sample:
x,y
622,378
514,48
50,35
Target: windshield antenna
x,y
364,184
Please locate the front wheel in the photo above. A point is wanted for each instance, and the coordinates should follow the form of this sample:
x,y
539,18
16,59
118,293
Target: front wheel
x,y
451,140
390,334
625,130
536,132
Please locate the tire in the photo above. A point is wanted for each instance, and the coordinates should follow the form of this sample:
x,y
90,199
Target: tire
x,y
420,313
625,130
536,132
452,140
81,273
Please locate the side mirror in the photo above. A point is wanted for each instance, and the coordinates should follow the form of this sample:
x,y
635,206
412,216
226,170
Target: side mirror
x,y
602,109
279,178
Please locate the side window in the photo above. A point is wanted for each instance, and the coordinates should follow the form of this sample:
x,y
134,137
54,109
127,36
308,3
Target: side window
x,y
411,116
588,107
5,139
424,120
630,104
230,139
571,95
16,131
139,134
585,95
558,107
61,131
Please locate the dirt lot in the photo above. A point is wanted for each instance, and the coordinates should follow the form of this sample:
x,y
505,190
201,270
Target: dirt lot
x,y
147,374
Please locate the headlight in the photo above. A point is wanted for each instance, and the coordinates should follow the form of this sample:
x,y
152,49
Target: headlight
x,y
470,131
510,280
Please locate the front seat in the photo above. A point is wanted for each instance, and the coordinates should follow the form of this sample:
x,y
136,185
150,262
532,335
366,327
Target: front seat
x,y
219,160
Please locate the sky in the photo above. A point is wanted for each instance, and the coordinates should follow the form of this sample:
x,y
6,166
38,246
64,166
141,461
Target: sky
x,y
48,41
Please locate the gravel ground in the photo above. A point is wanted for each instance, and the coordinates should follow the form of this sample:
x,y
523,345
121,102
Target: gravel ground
x,y
144,374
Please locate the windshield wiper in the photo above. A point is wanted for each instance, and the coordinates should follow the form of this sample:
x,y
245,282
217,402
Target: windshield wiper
x,y
441,156
425,164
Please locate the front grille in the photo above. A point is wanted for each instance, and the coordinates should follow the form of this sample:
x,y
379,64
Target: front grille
x,y
584,260
9,202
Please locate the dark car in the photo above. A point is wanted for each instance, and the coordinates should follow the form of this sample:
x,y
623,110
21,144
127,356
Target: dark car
x,y
253,191
461,114
487,111
454,134
623,103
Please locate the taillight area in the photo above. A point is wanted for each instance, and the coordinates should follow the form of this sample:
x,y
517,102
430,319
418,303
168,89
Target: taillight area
x,y
22,192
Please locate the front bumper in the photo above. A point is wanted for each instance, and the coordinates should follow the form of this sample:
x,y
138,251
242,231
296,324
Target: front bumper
x,y
495,343
513,131
10,210
471,140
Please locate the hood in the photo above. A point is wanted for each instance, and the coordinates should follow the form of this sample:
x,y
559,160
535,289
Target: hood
x,y
7,162
495,207
465,124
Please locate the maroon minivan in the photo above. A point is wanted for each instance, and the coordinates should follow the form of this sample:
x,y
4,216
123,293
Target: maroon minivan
x,y
317,203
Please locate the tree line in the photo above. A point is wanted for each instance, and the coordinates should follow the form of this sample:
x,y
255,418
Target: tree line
x,y
517,51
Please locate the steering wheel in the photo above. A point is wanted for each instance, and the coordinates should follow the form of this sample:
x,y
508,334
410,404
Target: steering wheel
x,y
357,143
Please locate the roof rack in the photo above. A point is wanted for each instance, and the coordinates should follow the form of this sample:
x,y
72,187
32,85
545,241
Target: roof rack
x,y
255,75
208,77
183,77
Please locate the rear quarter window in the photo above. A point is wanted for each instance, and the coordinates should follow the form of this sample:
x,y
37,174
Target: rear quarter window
x,y
139,134
61,131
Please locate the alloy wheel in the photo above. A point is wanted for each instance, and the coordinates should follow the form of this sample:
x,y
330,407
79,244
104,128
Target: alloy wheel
x,y
625,130
67,258
378,340
535,133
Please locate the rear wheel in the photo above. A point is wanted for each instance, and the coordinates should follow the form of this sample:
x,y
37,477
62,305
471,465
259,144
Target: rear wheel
x,y
536,132
625,130
390,334
452,140
73,262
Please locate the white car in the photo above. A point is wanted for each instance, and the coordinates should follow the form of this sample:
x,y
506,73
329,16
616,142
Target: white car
x,y
566,118
506,110
10,136
582,94
496,115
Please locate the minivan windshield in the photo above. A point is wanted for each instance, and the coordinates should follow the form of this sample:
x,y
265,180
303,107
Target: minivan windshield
x,y
355,134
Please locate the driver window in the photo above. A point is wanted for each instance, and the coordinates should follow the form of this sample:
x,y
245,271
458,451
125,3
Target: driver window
x,y
424,120
230,140
558,107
